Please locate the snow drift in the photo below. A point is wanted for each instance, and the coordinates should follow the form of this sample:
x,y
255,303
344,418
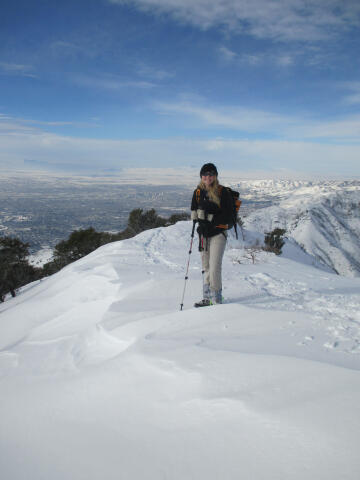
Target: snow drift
x,y
102,375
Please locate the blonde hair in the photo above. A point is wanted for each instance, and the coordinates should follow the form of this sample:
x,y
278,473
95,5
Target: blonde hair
x,y
212,191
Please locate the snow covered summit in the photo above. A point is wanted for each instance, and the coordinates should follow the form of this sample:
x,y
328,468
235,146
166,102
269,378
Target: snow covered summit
x,y
101,375
323,218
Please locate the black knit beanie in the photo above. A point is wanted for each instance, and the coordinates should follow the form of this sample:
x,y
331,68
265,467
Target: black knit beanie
x,y
208,167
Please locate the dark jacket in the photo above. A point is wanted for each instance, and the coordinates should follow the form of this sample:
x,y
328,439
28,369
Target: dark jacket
x,y
212,218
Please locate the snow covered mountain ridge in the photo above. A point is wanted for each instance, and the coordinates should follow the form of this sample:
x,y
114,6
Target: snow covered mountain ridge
x,y
282,188
322,217
102,376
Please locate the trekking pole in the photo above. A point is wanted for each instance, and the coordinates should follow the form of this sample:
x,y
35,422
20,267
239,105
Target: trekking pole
x,y
188,264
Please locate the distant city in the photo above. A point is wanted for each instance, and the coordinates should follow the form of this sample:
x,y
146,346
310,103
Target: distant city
x,y
43,211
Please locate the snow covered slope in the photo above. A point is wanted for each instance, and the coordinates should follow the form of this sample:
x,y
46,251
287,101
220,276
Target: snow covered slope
x,y
323,218
102,376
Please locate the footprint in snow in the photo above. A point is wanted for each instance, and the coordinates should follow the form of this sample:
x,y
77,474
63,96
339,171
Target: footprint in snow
x,y
307,340
331,345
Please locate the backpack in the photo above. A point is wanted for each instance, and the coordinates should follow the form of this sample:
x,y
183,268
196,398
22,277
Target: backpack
x,y
236,202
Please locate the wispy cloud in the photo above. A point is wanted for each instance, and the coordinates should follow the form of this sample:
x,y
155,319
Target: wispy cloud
x,y
252,59
11,126
68,49
345,129
152,72
354,97
81,154
305,20
17,70
109,82
17,126
227,54
194,114
295,144
279,58
285,60
235,118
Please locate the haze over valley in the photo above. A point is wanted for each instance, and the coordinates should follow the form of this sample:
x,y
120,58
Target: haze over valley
x,y
322,217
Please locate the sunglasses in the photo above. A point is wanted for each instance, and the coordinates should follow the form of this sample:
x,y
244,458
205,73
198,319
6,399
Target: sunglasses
x,y
208,174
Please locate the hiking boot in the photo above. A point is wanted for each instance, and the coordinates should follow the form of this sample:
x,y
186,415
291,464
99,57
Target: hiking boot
x,y
206,290
216,297
203,303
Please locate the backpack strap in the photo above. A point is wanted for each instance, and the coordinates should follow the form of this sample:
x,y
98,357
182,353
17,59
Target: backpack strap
x,y
197,194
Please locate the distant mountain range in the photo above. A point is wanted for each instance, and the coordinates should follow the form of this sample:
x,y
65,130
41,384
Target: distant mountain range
x,y
322,217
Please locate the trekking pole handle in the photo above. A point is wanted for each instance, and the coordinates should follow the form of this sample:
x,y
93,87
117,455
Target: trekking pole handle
x,y
192,236
193,228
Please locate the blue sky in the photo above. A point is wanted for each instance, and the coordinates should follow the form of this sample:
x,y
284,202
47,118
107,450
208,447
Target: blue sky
x,y
271,87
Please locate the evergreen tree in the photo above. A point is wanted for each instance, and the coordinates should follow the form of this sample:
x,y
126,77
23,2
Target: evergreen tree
x,y
80,243
240,222
140,221
15,270
274,241
177,217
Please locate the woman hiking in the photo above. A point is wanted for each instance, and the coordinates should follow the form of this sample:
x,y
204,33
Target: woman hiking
x,y
211,207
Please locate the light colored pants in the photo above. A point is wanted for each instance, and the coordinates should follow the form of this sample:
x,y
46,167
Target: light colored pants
x,y
211,261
